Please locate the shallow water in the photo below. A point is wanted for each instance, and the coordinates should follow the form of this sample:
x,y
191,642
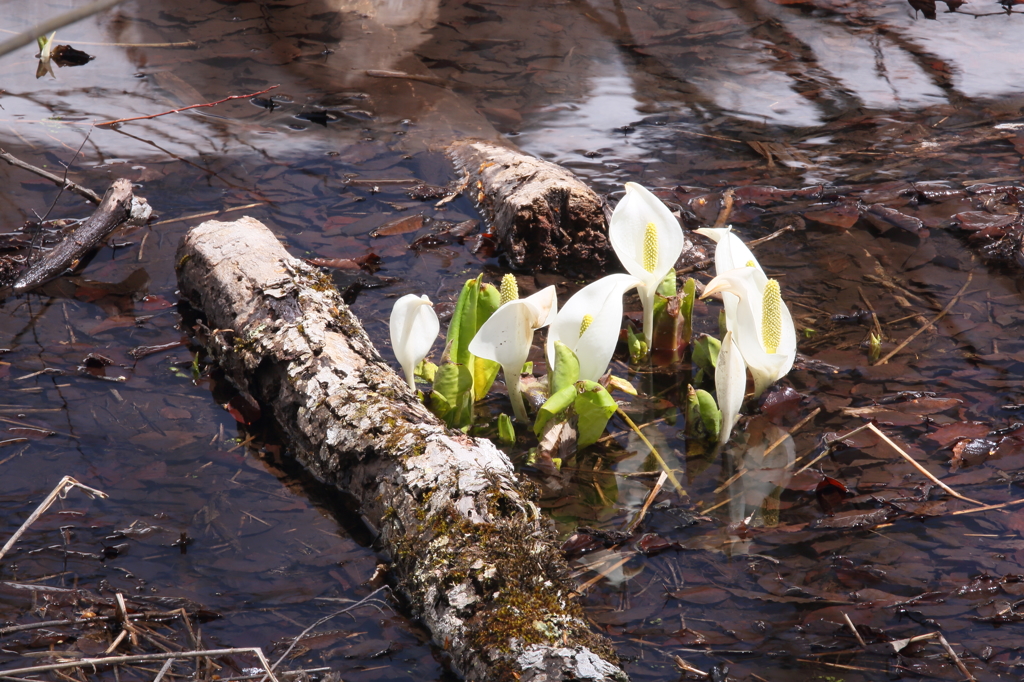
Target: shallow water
x,y
671,95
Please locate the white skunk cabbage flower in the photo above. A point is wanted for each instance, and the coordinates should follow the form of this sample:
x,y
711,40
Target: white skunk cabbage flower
x,y
589,324
414,327
730,384
761,324
648,240
732,253
507,335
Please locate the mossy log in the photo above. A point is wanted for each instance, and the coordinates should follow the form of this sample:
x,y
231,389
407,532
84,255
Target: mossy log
x,y
469,547
544,217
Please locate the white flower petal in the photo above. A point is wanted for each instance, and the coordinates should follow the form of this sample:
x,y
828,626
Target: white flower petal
x,y
414,327
765,367
602,300
730,384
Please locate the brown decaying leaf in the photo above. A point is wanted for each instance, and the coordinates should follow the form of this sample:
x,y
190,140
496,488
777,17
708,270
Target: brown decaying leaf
x,y
399,226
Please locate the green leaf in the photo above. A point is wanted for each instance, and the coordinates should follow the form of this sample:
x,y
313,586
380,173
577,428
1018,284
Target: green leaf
x,y
463,325
506,431
710,415
594,407
455,384
559,402
637,346
426,370
705,353
485,371
667,288
567,368
686,307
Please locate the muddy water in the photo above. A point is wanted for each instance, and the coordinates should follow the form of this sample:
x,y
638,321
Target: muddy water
x,y
754,568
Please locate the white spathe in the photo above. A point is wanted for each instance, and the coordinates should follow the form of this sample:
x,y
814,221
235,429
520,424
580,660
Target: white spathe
x,y
730,384
640,223
602,301
732,253
507,335
414,327
748,324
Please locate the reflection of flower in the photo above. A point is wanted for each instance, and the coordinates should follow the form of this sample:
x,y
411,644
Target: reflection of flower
x,y
414,326
589,324
648,240
507,335
763,328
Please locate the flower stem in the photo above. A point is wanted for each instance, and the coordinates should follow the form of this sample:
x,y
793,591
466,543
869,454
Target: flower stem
x,y
515,394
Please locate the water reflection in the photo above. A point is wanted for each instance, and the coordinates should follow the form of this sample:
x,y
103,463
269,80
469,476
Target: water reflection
x,y
758,466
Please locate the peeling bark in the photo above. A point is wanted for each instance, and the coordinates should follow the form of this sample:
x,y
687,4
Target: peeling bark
x,y
544,216
469,546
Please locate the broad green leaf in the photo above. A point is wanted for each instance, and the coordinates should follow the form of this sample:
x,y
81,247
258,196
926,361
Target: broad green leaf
x,y
455,384
710,415
559,402
426,371
485,371
667,288
705,353
506,431
567,368
594,407
463,325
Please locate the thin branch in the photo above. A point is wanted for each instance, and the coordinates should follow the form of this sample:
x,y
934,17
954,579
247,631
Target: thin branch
x,y
66,484
956,659
191,106
657,456
59,21
77,189
142,658
931,323
368,598
920,468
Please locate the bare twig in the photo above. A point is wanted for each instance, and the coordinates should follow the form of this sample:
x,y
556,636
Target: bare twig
x,y
191,106
662,477
59,21
65,485
930,323
657,455
367,599
956,659
987,507
853,628
207,214
768,238
141,658
920,468
686,667
163,670
63,182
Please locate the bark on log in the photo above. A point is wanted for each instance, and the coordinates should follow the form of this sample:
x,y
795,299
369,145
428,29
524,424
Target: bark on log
x,y
469,547
544,216
119,205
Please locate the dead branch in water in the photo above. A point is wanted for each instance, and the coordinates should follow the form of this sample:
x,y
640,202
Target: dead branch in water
x,y
469,547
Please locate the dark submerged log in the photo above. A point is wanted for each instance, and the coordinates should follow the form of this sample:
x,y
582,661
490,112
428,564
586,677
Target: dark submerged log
x,y
469,547
119,206
544,216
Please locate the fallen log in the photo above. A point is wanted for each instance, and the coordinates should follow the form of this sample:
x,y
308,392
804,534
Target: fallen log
x,y
469,547
119,206
545,217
